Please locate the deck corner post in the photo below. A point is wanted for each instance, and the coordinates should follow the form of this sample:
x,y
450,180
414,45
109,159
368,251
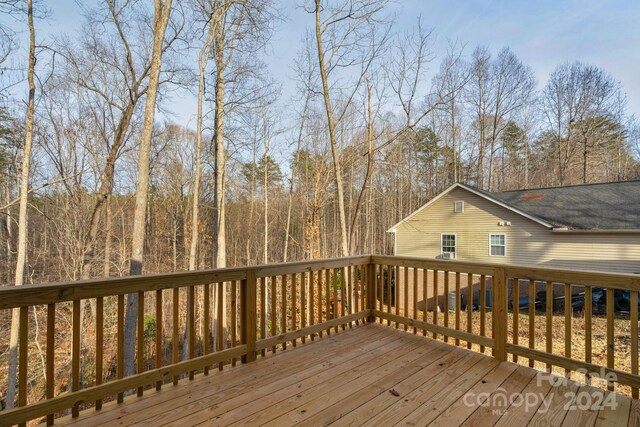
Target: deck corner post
x,y
499,303
248,323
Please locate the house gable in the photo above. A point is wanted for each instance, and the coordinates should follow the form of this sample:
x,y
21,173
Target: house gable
x,y
478,193
528,241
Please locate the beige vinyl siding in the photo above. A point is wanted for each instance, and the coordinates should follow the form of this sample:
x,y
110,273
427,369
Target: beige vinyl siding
x,y
527,241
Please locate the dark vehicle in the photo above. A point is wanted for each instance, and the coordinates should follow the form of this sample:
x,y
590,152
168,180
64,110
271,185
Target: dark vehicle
x,y
383,294
621,300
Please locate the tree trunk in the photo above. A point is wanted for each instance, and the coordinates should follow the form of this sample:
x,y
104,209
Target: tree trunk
x,y
332,136
22,215
107,244
367,177
105,190
219,220
219,240
203,58
162,11
265,194
290,202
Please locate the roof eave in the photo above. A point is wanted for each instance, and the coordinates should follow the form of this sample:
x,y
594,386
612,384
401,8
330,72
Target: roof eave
x,y
595,231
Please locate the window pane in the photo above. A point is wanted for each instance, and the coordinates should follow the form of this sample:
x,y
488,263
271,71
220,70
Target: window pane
x,y
497,239
497,245
448,243
498,250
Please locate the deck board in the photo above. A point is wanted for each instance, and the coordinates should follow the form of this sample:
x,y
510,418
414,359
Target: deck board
x,y
367,375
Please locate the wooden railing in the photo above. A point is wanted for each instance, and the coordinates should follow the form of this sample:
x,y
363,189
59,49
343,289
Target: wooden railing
x,y
193,322
216,317
554,326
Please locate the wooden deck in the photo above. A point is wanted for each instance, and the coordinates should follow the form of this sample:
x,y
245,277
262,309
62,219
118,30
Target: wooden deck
x,y
368,375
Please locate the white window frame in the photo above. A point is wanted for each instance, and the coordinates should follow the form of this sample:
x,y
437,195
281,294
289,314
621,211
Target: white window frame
x,y
505,244
455,244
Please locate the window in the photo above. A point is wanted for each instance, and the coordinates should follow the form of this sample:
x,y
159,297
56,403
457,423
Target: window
x,y
448,244
458,206
497,244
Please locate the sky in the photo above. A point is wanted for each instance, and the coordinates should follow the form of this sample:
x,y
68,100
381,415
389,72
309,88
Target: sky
x,y
542,33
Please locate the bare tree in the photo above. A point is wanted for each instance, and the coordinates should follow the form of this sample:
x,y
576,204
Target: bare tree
x,y
162,12
304,68
204,8
342,30
579,103
22,216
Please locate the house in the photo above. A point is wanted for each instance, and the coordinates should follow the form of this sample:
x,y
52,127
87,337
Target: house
x,y
586,227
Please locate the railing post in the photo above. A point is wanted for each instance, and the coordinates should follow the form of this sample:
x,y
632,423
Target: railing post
x,y
499,295
248,324
371,282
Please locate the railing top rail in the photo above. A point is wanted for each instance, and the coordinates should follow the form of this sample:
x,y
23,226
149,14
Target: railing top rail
x,y
28,295
435,264
310,265
626,281
49,293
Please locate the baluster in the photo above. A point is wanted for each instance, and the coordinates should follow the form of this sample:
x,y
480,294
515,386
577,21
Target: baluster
x,y
220,316
406,295
436,304
588,313
249,325
274,317
191,333
327,290
50,357
516,315
415,297
567,325
120,333
446,303
458,305
23,339
532,318
175,357
633,314
549,319
312,307
343,284
294,305
75,355
469,306
610,332
320,300
99,344
283,308
303,303
389,270
140,339
159,334
207,322
425,298
334,306
234,317
263,313
483,308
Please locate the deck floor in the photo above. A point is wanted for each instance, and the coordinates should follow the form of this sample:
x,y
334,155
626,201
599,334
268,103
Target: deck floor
x,y
368,375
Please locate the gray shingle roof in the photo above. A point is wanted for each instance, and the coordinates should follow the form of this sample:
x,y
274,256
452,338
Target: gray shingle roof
x,y
607,206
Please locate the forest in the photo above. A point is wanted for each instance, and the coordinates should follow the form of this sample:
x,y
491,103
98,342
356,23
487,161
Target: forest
x,y
97,180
